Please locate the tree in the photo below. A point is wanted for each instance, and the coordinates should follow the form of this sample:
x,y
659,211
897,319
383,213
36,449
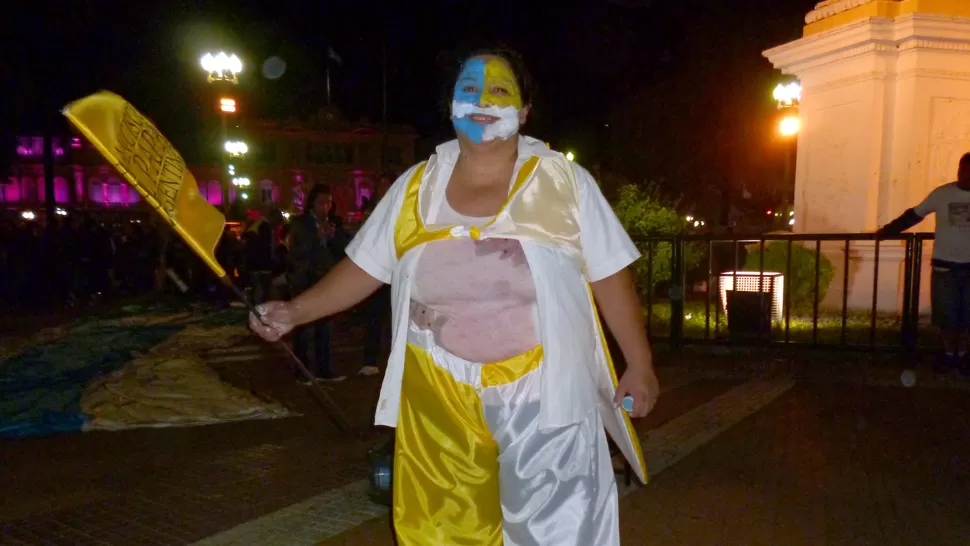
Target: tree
x,y
645,214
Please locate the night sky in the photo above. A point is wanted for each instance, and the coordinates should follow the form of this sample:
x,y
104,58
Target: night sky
x,y
685,76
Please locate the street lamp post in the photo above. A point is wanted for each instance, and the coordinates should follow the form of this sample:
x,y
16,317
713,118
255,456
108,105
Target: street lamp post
x,y
223,71
789,97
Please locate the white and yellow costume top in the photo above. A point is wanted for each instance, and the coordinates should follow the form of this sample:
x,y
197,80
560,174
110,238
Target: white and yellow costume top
x,y
570,237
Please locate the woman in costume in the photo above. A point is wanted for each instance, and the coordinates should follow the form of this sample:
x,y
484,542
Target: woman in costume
x,y
499,381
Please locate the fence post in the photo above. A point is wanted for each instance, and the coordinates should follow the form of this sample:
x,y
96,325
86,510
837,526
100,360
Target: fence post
x,y
677,292
907,333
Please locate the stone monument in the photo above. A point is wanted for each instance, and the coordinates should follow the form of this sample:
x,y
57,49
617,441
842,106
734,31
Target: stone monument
x,y
885,117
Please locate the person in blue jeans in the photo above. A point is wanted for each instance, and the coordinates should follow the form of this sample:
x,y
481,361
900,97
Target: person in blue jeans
x,y
377,315
317,242
950,279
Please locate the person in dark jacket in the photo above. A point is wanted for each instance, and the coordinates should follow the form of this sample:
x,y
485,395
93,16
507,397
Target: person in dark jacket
x,y
317,241
260,248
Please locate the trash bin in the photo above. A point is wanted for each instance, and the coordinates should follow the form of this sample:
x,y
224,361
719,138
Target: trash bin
x,y
749,314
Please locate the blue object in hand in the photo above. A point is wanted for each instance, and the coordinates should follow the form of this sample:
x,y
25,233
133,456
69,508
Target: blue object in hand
x,y
627,404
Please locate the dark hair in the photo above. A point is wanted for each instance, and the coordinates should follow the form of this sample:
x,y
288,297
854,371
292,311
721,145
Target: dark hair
x,y
315,192
515,61
965,161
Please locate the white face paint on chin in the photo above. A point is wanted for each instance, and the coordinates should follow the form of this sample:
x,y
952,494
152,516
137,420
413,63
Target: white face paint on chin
x,y
504,127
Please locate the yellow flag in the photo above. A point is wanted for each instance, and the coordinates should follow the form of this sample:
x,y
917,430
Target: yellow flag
x,y
132,143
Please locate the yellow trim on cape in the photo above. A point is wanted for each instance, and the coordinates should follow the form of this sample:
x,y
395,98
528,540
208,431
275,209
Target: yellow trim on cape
x,y
634,439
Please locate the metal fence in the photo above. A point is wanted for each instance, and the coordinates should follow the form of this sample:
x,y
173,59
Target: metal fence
x,y
786,289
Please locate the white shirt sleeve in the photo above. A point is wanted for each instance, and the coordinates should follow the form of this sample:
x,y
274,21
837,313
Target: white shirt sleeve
x,y
607,248
929,204
373,247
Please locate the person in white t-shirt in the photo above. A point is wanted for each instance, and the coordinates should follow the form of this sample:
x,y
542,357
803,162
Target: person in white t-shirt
x,y
498,251
950,281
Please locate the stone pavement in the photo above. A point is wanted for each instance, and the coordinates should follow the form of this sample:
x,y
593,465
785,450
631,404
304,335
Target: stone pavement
x,y
778,454
823,464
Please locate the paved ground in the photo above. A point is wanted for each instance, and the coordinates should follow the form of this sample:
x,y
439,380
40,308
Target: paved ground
x,y
821,465
778,454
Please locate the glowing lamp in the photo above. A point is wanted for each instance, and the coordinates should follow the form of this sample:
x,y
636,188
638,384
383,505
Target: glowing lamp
x,y
60,212
241,182
788,95
789,126
28,215
570,156
227,105
769,282
221,67
236,147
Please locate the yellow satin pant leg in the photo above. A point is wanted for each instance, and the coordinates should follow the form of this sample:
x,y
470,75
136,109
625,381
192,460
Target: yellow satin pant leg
x,y
446,487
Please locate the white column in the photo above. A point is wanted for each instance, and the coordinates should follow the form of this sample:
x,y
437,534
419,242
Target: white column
x,y
885,118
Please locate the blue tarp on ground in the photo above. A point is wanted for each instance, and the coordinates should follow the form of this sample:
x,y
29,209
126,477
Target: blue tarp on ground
x,y
40,389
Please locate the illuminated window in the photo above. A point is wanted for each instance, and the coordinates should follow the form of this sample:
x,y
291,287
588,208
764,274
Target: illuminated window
x,y
30,146
10,191
214,193
61,191
96,192
133,196
266,192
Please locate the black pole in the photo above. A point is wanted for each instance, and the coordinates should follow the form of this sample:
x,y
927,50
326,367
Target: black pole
x,y
333,410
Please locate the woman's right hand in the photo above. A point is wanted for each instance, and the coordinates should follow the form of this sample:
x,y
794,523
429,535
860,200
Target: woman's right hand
x,y
277,320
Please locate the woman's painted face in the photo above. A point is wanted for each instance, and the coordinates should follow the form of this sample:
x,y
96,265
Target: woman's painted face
x,y
486,101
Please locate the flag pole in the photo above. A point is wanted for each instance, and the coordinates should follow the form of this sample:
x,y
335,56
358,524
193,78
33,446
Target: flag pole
x,y
333,410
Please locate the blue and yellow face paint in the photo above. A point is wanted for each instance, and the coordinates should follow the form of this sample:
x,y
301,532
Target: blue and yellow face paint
x,y
486,87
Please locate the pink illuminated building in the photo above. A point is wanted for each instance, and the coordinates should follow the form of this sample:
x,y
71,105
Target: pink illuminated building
x,y
285,159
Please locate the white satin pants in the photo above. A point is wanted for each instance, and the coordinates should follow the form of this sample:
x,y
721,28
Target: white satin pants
x,y
472,466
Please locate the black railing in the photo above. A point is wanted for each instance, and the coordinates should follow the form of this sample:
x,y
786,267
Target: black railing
x,y
786,289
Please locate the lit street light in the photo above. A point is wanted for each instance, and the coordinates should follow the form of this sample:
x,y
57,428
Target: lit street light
x,y
223,71
788,96
28,215
570,156
789,126
240,182
236,148
222,67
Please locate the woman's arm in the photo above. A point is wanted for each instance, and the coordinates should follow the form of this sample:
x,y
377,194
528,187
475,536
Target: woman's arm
x,y
341,288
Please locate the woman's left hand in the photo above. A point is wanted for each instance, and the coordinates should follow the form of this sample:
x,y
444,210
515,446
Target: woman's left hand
x,y
642,385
